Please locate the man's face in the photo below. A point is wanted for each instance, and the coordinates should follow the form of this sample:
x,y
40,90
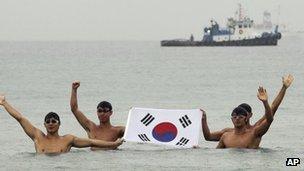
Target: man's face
x,y
238,120
51,125
104,114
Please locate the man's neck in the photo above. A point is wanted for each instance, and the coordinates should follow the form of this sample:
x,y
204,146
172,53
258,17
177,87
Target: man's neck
x,y
105,124
239,130
52,135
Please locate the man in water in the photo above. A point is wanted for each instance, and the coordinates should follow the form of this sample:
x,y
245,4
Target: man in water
x,y
105,130
52,142
241,136
215,136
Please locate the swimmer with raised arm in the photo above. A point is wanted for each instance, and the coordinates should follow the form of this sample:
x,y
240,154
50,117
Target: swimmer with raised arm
x,y
52,142
241,136
216,135
102,131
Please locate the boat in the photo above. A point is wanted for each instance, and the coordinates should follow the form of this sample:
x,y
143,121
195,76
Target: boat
x,y
238,32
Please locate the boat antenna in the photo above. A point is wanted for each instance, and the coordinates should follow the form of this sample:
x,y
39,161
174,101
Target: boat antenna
x,y
240,11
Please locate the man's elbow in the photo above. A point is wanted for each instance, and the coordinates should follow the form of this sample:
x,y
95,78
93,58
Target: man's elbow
x,y
270,119
220,147
74,108
20,119
207,138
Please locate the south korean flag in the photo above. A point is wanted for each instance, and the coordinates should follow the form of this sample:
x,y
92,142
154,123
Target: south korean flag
x,y
178,128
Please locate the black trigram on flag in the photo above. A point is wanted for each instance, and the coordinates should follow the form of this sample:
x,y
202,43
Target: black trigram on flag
x,y
185,121
183,141
147,119
143,137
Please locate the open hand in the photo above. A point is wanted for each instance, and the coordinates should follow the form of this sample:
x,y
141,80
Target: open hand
x,y
262,94
119,141
287,80
75,84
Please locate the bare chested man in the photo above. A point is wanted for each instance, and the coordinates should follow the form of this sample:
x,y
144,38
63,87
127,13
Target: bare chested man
x,y
215,136
104,131
241,136
52,142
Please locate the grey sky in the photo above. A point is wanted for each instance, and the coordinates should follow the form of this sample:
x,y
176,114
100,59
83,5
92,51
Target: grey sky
x,y
130,19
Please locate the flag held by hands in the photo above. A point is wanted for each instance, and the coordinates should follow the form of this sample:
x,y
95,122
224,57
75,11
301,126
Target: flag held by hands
x,y
178,128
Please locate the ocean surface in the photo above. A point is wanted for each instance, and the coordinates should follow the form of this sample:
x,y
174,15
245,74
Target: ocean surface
x,y
36,78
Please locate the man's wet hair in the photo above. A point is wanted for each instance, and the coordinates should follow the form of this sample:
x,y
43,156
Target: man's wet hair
x,y
51,115
105,104
246,107
239,111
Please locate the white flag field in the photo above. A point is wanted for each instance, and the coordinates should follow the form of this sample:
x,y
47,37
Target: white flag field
x,y
178,128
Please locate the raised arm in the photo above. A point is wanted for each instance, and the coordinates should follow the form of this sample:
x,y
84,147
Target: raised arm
x,y
211,136
85,142
287,80
81,118
261,129
28,128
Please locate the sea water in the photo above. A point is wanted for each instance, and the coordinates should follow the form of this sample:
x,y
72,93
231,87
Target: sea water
x,y
36,78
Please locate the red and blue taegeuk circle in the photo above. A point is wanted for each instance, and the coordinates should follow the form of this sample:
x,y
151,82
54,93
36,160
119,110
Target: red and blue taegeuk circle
x,y
164,132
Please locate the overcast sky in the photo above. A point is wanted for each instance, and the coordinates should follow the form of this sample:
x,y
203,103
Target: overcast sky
x,y
130,19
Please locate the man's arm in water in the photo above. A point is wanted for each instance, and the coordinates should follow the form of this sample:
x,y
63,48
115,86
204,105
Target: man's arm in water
x,y
261,129
121,131
287,80
221,143
81,118
85,142
28,128
211,136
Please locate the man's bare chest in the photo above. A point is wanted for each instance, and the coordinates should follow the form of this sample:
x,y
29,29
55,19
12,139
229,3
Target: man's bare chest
x,y
104,134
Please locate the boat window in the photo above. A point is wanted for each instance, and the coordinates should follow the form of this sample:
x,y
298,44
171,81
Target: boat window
x,y
245,25
240,26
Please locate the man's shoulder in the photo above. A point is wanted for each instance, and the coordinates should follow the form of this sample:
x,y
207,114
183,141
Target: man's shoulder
x,y
68,137
119,127
227,133
111,128
40,134
227,130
